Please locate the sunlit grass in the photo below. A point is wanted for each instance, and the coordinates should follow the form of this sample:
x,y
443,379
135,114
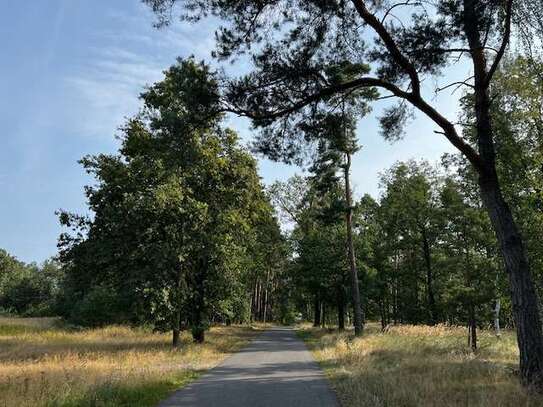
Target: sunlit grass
x,y
420,366
42,364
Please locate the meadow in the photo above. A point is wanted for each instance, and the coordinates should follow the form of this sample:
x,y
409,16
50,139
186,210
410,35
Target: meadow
x,y
43,363
420,366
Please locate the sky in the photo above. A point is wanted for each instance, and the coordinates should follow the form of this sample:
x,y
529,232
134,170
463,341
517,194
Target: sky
x,y
71,72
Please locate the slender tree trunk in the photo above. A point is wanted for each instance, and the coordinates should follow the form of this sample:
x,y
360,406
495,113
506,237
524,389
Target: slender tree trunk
x,y
176,315
472,339
341,308
176,329
396,289
355,291
254,301
497,318
266,295
382,306
198,331
265,307
429,278
317,316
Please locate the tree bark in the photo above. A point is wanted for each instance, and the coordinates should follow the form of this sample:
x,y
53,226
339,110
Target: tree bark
x,y
355,291
523,294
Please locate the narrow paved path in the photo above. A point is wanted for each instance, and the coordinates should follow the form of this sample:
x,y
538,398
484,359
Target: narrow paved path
x,y
275,370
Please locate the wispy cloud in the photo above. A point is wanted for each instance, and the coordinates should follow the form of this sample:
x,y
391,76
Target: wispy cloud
x,y
122,62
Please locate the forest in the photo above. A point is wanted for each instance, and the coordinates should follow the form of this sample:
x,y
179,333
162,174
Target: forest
x,y
183,237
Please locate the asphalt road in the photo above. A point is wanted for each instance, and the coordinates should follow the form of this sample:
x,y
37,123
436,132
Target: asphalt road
x,y
274,370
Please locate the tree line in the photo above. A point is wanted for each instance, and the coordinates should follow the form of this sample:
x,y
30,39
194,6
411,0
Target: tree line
x,y
28,289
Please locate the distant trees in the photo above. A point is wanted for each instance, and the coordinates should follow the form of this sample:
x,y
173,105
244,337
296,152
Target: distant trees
x,y
321,267
180,216
425,251
409,210
28,289
441,230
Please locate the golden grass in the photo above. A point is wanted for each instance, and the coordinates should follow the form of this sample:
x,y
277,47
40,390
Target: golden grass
x,y
45,365
420,366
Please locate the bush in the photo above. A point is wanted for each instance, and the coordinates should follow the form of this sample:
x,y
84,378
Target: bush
x,y
99,307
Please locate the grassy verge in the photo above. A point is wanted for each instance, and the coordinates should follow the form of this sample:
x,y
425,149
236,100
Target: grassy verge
x,y
420,366
42,364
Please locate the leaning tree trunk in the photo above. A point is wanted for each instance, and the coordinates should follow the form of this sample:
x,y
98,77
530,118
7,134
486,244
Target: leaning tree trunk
x,y
523,294
355,291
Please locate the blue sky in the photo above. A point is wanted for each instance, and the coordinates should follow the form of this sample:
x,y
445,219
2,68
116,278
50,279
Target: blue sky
x,y
71,72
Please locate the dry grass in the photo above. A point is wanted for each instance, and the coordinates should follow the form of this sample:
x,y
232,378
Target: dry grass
x,y
420,366
42,364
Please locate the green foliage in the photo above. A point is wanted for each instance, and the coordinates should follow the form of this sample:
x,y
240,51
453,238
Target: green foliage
x,y
28,289
102,305
177,216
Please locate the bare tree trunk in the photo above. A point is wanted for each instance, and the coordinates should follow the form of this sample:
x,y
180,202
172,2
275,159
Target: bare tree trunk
x,y
497,317
472,339
355,291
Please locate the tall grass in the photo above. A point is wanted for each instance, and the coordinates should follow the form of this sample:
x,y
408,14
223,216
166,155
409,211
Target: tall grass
x,y
42,364
420,366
